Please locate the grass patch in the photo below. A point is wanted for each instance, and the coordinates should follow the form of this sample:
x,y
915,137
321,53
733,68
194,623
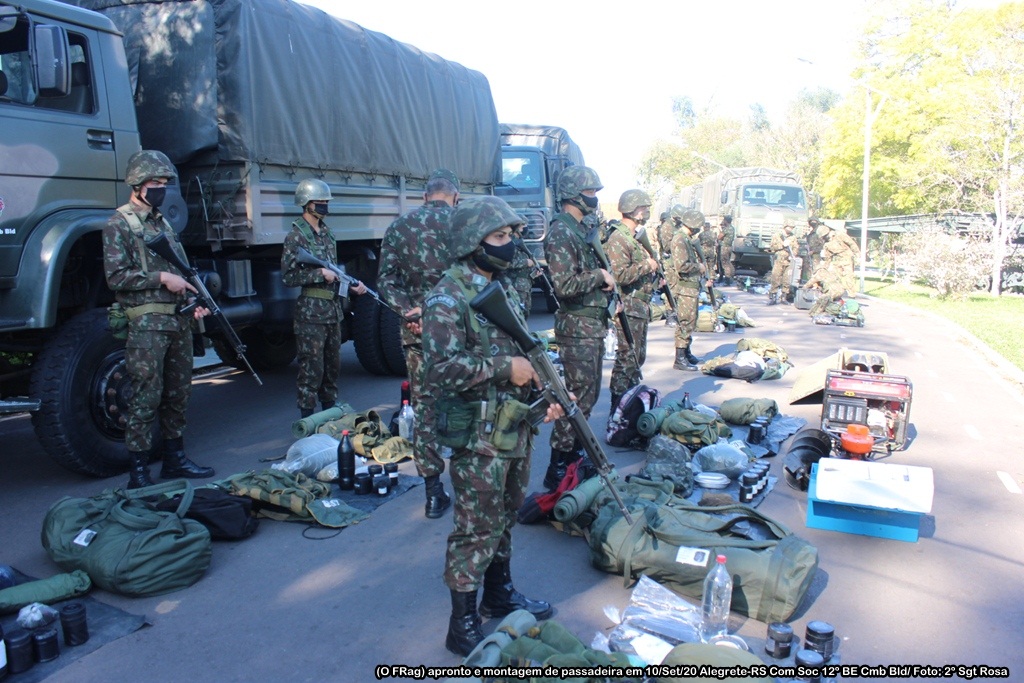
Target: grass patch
x,y
994,320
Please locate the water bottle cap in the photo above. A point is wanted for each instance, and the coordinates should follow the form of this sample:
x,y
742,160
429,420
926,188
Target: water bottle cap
x,y
344,432
405,403
721,559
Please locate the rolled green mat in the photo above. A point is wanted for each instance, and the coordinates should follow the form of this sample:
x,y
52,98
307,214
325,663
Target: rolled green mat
x,y
56,588
649,423
574,503
308,425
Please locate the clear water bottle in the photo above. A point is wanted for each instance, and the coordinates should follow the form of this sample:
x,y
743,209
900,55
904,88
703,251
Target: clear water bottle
x,y
406,421
717,601
611,343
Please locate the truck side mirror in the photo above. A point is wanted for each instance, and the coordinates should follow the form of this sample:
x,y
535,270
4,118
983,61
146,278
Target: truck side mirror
x,y
8,18
725,196
50,60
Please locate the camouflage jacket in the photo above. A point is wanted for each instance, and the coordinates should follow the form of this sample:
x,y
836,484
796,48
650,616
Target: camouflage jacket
x,y
632,273
815,243
708,242
311,309
465,356
825,280
781,246
575,274
685,261
519,276
728,236
840,247
413,256
664,234
133,270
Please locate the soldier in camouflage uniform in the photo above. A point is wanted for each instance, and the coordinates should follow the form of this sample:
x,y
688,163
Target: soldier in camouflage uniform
x,y
318,310
582,288
413,256
519,276
478,369
841,254
687,271
634,272
708,240
815,239
664,234
158,353
782,248
829,288
726,238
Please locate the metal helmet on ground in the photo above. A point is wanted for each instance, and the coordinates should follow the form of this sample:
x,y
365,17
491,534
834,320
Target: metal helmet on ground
x,y
476,218
692,218
147,164
311,190
573,180
631,200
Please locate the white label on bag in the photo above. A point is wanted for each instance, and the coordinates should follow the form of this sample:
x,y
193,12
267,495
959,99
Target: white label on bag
x,y
331,503
698,557
84,537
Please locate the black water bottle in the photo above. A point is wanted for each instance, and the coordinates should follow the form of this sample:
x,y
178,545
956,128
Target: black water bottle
x,y
346,463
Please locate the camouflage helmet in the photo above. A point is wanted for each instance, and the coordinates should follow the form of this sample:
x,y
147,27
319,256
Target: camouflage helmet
x,y
692,218
476,218
813,222
444,174
147,164
311,190
676,211
573,180
631,200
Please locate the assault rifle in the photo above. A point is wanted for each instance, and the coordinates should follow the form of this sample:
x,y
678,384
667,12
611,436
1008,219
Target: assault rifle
x,y
539,272
704,279
665,290
344,279
161,246
614,300
493,304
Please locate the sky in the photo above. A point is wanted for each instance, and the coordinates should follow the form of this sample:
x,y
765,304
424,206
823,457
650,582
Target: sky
x,y
608,72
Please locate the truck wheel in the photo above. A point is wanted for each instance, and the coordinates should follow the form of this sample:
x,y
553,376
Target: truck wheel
x,y
81,380
265,349
366,336
391,342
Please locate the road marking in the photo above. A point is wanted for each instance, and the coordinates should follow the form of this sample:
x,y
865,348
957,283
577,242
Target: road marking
x,y
1008,482
973,432
949,397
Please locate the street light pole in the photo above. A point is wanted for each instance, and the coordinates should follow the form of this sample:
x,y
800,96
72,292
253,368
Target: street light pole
x,y
869,119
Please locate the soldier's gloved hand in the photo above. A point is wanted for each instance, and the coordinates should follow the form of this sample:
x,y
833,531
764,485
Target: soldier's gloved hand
x,y
175,284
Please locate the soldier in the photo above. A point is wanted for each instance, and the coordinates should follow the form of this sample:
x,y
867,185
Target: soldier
x,y
519,276
413,256
687,271
783,247
708,239
816,234
665,232
158,353
478,369
841,254
582,287
632,268
829,288
726,237
318,309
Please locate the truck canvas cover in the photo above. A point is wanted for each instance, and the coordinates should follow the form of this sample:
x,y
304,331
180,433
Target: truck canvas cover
x,y
274,81
552,140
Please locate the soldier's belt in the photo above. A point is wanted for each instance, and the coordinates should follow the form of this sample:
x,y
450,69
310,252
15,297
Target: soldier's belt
x,y
318,293
134,312
689,284
596,312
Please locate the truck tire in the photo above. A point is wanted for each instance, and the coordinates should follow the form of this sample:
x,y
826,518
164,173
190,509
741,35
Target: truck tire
x,y
265,349
366,336
391,341
81,381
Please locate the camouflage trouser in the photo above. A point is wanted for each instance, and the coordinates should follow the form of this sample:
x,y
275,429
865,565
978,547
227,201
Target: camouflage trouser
x,y
810,266
780,267
710,258
319,355
160,368
626,370
848,278
686,300
823,300
728,269
582,360
425,450
488,494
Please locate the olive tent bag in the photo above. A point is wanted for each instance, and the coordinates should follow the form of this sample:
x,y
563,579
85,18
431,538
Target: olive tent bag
x,y
125,544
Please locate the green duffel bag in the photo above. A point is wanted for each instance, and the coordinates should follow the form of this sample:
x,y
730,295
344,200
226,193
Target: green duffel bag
x,y
675,544
125,544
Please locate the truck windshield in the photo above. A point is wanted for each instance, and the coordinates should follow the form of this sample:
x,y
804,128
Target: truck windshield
x,y
774,195
521,170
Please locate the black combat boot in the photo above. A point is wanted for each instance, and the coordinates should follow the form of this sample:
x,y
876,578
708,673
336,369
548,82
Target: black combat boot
x,y
327,405
615,403
560,460
501,597
464,625
682,362
177,465
690,358
773,299
305,412
438,499
138,475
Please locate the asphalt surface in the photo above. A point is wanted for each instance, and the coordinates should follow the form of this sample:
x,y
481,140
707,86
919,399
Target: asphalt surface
x,y
279,606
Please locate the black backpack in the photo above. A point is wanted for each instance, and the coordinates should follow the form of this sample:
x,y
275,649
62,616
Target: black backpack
x,y
622,421
226,516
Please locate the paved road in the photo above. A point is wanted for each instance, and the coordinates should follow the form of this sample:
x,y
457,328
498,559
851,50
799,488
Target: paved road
x,y
281,607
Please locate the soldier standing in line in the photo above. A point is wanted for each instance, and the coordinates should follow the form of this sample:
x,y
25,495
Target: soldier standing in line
x,y
665,232
708,240
725,240
815,243
687,271
478,369
413,256
318,310
519,276
632,268
582,287
782,248
158,353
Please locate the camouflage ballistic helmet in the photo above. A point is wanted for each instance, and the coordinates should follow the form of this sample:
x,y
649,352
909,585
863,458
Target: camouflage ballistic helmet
x,y
445,174
573,180
631,200
692,218
676,211
789,224
476,218
311,190
147,164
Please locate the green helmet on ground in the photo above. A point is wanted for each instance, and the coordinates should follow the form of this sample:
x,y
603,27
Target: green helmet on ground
x,y
573,180
147,164
631,200
692,218
476,218
311,190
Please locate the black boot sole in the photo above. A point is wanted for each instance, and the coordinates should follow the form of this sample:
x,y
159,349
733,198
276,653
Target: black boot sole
x,y
434,510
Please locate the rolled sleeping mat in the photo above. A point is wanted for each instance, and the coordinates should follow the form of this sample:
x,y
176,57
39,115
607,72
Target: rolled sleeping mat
x,y
574,503
308,425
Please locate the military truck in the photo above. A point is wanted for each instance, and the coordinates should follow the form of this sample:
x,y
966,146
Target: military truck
x,y
532,156
760,200
247,97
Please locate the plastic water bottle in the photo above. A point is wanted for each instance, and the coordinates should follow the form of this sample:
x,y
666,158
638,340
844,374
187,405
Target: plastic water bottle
x,y
717,601
611,343
406,421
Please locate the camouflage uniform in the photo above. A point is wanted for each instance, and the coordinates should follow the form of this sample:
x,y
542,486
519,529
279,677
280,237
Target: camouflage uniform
x,y
158,352
664,233
709,248
831,289
685,269
841,253
413,257
727,238
519,276
635,279
318,315
780,247
815,243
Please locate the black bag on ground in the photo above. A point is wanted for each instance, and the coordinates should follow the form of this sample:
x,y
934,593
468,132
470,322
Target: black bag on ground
x,y
227,517
635,402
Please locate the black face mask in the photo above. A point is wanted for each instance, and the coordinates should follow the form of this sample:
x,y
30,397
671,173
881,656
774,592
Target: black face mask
x,y
155,196
490,258
319,209
591,202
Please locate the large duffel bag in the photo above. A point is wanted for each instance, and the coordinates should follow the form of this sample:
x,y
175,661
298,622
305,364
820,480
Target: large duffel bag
x,y
675,543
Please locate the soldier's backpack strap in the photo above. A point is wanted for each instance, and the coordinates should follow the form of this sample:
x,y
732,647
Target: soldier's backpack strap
x,y
135,225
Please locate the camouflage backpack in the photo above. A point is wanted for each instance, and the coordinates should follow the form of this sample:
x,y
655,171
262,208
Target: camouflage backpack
x,y
764,348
